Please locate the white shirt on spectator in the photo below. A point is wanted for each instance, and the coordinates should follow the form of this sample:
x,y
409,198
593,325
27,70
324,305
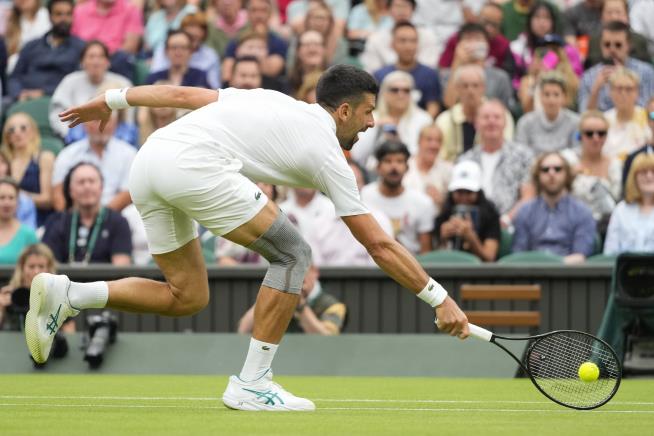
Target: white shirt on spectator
x,y
379,53
438,176
489,162
140,251
629,230
307,217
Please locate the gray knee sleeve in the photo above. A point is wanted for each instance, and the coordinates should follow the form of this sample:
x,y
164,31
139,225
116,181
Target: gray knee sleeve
x,y
288,253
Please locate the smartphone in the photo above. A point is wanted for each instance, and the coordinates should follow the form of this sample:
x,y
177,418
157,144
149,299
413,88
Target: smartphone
x,y
550,60
608,61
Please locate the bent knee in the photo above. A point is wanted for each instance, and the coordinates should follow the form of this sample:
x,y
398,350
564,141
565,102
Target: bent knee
x,y
189,301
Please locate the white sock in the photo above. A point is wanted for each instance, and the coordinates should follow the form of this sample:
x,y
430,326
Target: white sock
x,y
93,295
258,361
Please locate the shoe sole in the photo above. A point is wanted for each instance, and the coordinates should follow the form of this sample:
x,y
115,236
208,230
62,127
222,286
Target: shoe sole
x,y
37,299
257,407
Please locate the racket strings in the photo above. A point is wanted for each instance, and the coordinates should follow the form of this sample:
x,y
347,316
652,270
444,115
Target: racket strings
x,y
554,362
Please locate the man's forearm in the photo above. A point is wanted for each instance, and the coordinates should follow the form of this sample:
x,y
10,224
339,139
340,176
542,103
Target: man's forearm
x,y
181,97
400,265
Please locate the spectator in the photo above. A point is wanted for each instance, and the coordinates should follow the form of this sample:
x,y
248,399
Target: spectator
x,y
427,173
317,312
304,207
44,62
25,210
366,18
405,45
632,223
597,176
14,236
3,69
203,57
583,19
307,91
87,232
411,212
396,117
504,164
259,12
179,48
117,23
30,166
472,49
517,14
554,222
648,148
628,129
230,18
378,51
254,45
468,222
80,86
167,16
246,73
553,127
27,21
311,58
641,22
593,92
113,156
458,122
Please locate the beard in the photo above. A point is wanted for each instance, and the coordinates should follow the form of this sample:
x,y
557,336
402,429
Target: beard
x,y
392,180
61,30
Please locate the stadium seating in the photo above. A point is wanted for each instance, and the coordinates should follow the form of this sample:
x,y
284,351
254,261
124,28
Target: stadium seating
x,y
531,257
448,256
471,295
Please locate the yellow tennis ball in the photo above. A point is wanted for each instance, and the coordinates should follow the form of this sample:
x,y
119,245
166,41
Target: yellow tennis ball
x,y
588,372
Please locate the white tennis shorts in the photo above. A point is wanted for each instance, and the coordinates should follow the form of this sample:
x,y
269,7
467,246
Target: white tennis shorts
x,y
173,184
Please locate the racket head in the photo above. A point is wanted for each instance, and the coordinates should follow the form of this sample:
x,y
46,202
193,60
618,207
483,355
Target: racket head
x,y
553,360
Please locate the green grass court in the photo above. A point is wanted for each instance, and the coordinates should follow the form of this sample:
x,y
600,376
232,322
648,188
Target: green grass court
x,y
190,405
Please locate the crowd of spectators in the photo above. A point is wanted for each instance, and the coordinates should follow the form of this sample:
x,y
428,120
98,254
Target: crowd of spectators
x,y
526,118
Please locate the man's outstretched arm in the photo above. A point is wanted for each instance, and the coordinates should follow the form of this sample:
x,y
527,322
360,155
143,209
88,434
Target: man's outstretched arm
x,y
402,267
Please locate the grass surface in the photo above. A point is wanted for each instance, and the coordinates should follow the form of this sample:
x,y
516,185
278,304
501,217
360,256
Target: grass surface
x,y
190,405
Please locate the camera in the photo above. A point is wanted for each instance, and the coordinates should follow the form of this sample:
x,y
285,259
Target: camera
x,y
102,332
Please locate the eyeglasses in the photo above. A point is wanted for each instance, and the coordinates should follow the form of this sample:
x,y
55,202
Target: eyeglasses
x,y
609,44
546,169
622,89
22,127
591,133
179,47
396,90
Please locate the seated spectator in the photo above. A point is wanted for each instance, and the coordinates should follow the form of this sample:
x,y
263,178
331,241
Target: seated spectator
x,y
246,73
28,20
378,51
113,156
583,19
254,45
81,86
311,58
597,177
366,18
87,232
411,212
397,117
553,127
228,20
628,128
167,16
304,207
179,50
25,210
504,164
30,166
317,312
648,148
458,122
203,57
640,15
405,45
593,91
631,227
14,236
298,10
472,49
468,221
259,12
427,173
44,62
517,14
554,222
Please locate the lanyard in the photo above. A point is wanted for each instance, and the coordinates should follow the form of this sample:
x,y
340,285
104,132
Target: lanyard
x,y
72,241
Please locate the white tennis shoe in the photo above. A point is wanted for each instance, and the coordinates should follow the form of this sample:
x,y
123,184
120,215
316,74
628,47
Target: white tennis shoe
x,y
49,308
263,394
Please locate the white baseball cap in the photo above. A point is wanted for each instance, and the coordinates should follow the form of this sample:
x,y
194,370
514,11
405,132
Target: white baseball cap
x,y
466,175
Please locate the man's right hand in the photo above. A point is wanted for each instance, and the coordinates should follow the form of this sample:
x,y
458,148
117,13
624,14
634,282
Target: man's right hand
x,y
451,319
95,109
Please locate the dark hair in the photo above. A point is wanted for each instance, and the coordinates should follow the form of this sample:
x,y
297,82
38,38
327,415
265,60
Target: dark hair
x,y
472,28
69,176
344,83
531,38
616,26
401,24
95,42
391,147
413,3
362,170
51,3
174,32
244,59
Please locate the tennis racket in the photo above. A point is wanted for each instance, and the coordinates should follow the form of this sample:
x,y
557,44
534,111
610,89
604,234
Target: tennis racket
x,y
552,363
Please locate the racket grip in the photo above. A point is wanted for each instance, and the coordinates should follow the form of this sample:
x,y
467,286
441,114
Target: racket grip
x,y
480,333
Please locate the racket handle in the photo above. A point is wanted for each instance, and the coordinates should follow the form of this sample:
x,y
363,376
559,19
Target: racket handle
x,y
480,333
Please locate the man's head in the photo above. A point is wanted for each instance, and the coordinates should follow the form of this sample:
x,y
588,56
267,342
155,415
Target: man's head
x,y
61,17
401,10
95,60
179,48
252,44
349,94
392,163
465,183
396,92
228,9
246,73
405,42
430,141
470,84
624,85
97,137
490,122
615,10
490,17
552,93
83,186
552,174
474,39
259,12
614,41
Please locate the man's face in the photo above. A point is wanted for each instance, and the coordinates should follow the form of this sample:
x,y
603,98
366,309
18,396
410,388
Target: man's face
x,y
491,19
615,45
259,12
86,187
463,196
405,44
247,75
551,175
255,47
491,121
95,63
392,168
227,7
401,10
471,89
179,50
430,142
614,10
359,119
97,137
61,18
552,98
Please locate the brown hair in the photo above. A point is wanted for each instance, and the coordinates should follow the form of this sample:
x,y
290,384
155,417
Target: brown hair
x,y
198,19
643,161
31,250
535,171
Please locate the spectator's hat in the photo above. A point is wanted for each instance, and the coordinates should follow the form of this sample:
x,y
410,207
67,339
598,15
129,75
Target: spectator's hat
x,y
466,175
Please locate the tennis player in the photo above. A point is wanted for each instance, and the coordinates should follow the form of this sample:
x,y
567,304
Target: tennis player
x,y
203,167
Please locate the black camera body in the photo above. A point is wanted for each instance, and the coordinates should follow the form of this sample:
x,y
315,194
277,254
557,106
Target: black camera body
x,y
103,330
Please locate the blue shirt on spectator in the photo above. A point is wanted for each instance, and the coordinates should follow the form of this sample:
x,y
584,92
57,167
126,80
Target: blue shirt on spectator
x,y
42,66
192,77
276,45
567,228
426,81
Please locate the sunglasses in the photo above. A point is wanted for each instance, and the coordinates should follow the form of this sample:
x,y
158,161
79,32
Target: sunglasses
x,y
591,133
546,169
396,90
609,44
22,127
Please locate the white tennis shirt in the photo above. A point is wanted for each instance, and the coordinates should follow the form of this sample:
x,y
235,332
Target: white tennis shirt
x,y
268,137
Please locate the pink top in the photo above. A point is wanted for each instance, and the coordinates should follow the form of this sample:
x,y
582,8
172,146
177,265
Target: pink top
x,y
124,18
232,29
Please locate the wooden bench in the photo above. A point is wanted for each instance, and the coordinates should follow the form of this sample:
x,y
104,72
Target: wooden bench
x,y
502,318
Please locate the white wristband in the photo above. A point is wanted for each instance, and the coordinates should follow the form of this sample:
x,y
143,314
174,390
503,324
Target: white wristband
x,y
116,98
433,294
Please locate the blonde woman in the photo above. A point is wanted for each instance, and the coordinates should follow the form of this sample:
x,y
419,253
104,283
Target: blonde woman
x,y
31,167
